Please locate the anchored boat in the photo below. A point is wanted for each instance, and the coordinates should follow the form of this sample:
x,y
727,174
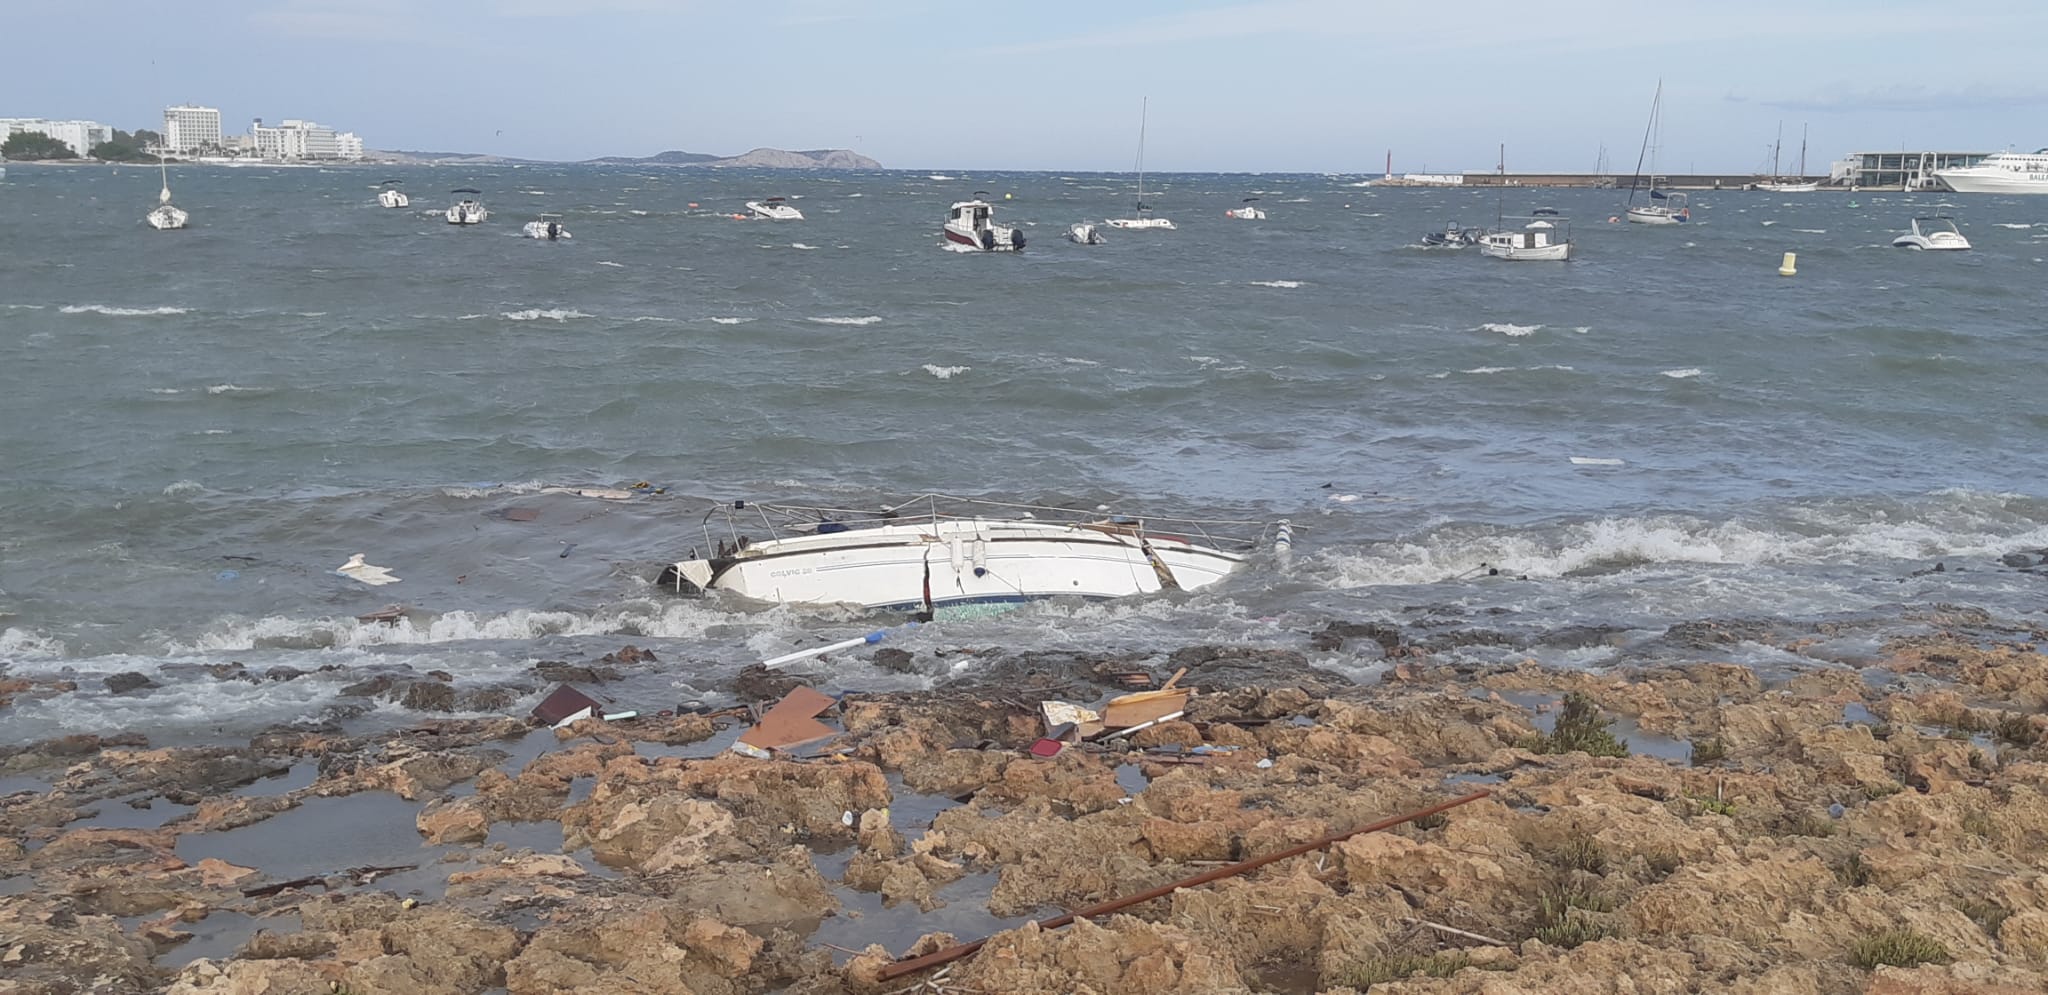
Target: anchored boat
x,y
936,551
971,224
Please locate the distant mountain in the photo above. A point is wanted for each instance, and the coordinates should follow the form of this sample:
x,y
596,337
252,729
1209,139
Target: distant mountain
x,y
755,159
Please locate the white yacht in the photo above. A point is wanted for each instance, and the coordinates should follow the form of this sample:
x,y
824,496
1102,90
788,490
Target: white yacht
x,y
970,224
1938,232
1539,240
391,196
469,210
937,551
1083,234
549,227
1246,212
1144,220
165,217
773,209
2002,172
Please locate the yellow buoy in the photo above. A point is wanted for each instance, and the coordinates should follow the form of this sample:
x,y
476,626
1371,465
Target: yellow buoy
x,y
1006,196
1790,265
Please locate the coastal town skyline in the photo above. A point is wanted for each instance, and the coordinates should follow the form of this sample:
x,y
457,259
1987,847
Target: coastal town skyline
x,y
1283,85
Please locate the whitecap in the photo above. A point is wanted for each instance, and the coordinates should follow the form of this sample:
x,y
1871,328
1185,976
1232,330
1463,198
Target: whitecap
x,y
937,176
1583,329
640,213
1684,373
863,320
651,317
218,431
729,321
183,487
800,245
945,372
1281,284
21,644
536,314
1767,224
1345,498
1074,361
607,262
228,388
1596,461
468,317
123,312
1487,369
165,390
1812,231
24,307
2008,224
1513,331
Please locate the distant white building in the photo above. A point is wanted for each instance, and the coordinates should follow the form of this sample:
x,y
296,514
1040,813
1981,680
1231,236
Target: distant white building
x,y
81,136
296,139
189,129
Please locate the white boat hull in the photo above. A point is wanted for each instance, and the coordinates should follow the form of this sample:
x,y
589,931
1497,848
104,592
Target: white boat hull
x,y
1140,224
774,212
392,198
1084,235
1940,241
1246,214
1541,253
166,218
994,238
967,561
539,229
1654,216
1788,187
467,214
1993,181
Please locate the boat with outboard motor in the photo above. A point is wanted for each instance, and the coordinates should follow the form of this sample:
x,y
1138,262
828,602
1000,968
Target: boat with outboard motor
x,y
936,551
1452,237
971,225
1084,234
548,227
391,196
470,209
1246,212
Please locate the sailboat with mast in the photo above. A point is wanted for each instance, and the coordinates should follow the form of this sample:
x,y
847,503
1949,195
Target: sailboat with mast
x,y
1144,218
165,217
1661,207
1540,239
1798,183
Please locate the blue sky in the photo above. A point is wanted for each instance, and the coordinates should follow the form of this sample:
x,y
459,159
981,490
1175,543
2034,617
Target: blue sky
x,y
1279,85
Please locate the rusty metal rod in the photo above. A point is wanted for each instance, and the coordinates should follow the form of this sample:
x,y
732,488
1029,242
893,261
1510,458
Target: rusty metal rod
x,y
950,954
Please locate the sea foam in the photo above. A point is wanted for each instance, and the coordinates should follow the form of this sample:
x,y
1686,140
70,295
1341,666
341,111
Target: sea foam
x,y
536,314
122,312
863,320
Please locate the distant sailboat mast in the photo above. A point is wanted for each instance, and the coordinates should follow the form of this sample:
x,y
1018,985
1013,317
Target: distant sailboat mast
x,y
1648,127
1144,104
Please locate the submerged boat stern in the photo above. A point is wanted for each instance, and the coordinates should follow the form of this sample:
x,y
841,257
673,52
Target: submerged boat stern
x,y
687,576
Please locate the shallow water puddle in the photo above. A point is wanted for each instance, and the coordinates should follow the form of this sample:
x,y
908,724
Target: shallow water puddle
x,y
862,919
301,775
321,836
220,934
1131,778
119,813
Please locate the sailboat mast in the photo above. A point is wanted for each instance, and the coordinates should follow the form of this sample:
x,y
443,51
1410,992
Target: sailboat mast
x,y
1775,146
1802,152
1144,104
1638,180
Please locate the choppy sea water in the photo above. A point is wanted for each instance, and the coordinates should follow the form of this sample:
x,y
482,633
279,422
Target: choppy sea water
x,y
197,427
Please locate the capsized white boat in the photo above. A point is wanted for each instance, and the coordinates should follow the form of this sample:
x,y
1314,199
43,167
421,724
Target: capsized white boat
x,y
469,210
1246,212
548,227
971,225
391,196
1084,234
1937,232
773,209
165,217
936,551
1539,241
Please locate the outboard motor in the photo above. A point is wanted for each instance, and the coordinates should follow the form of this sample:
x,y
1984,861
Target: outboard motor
x,y
554,231
1017,238
988,240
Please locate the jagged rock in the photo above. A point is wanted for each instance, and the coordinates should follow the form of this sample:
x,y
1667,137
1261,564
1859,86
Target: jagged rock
x,y
454,820
127,681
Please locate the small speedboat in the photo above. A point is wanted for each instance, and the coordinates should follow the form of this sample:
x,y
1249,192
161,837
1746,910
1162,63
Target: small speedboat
x,y
1452,237
936,551
1938,232
1246,212
971,224
549,227
469,210
391,196
165,217
1084,234
773,209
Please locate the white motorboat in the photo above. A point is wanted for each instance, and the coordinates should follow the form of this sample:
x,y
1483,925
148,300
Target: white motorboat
x,y
935,551
971,224
1661,208
1539,241
1937,232
773,209
1246,212
165,217
1144,219
548,227
391,196
1084,234
2000,172
469,210
1452,237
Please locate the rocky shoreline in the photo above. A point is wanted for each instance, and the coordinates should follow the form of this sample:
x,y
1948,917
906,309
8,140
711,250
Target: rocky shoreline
x,y
1690,827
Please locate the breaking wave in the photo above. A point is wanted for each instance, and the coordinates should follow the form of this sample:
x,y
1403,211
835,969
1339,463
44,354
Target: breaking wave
x,y
1281,284
1682,374
864,320
945,372
536,314
123,312
1512,331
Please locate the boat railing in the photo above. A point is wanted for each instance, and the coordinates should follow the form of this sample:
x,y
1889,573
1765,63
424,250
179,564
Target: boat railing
x,y
781,521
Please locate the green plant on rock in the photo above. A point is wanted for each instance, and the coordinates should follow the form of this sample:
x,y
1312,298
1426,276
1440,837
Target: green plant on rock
x,y
1562,920
1978,823
1580,852
1876,791
1897,948
1853,871
1579,729
1378,968
1707,750
1718,806
1989,915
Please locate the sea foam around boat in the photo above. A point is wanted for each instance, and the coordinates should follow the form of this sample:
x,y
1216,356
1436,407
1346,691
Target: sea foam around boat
x,y
120,312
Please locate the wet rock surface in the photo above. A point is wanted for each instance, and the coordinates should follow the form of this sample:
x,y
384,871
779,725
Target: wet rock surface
x,y
1829,829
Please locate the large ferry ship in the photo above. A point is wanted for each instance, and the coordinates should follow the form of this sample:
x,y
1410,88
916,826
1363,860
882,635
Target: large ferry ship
x,y
2001,172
